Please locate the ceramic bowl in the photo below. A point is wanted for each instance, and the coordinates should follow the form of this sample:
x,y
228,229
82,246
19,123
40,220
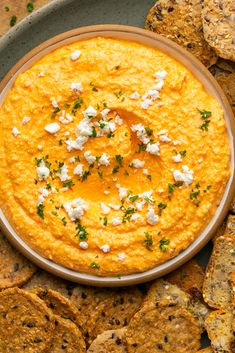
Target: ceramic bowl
x,y
201,73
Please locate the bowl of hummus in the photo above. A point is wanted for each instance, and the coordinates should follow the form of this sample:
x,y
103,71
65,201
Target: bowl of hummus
x,y
116,155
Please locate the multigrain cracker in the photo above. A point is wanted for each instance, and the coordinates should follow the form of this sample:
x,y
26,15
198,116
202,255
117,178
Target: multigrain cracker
x,y
114,312
180,20
227,83
216,289
232,207
230,226
219,329
189,278
67,338
163,293
218,19
59,304
45,280
206,350
112,341
15,269
163,329
26,324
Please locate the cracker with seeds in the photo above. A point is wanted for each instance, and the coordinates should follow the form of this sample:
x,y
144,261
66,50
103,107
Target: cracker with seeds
x,y
218,20
114,312
206,350
67,338
227,83
59,304
163,293
112,341
27,325
189,278
163,329
15,269
232,207
216,289
219,329
180,21
45,280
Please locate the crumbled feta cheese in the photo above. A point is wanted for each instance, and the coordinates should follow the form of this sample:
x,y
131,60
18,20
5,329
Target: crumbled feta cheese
x,y
109,127
15,131
118,120
121,256
176,142
186,176
78,170
160,191
140,132
152,94
114,207
177,158
164,138
137,163
116,221
146,103
63,173
89,113
139,205
105,209
41,74
52,128
163,132
84,128
159,85
76,87
54,103
145,171
76,208
200,160
83,245
160,74
105,248
72,160
153,148
65,118
89,158
104,160
104,112
106,192
147,194
76,145
25,120
75,55
40,147
152,218
135,95
135,217
122,192
42,171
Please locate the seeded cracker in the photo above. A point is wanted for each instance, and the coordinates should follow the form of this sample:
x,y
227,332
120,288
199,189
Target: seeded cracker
x,y
189,278
216,289
227,83
15,269
206,350
114,312
219,329
112,341
219,26
26,323
67,338
181,22
163,329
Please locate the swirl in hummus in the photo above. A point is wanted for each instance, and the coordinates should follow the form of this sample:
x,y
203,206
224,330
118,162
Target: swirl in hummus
x,y
113,157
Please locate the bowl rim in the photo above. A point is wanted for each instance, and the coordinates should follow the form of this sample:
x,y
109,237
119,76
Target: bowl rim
x,y
153,40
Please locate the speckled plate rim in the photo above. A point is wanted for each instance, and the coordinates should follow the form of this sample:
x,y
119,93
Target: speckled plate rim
x,y
149,39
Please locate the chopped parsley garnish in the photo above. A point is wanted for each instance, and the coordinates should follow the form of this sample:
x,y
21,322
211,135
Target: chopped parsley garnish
x,y
101,125
30,7
148,241
149,131
133,198
40,210
194,197
205,114
207,188
149,199
141,148
13,20
67,105
183,153
77,104
77,159
53,115
117,67
81,231
94,133
205,125
85,175
100,173
127,213
45,160
198,185
48,186
119,158
60,142
171,188
126,173
149,177
105,221
7,9
118,94
94,89
161,206
115,169
110,134
95,265
63,220
105,105
68,184
163,244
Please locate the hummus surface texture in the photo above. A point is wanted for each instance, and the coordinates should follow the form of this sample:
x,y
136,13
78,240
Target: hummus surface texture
x,y
113,158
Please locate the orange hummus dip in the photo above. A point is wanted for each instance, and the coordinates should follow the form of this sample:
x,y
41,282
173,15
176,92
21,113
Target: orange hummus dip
x,y
113,157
